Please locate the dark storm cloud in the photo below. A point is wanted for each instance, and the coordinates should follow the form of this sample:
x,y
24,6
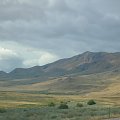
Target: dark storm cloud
x,y
62,27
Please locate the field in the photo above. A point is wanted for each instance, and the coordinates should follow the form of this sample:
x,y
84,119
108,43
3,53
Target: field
x,y
35,106
30,99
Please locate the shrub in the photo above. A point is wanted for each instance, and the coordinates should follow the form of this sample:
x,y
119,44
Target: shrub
x,y
51,104
91,102
54,117
79,105
63,102
63,106
2,110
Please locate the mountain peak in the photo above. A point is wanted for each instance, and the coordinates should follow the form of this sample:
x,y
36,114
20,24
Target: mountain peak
x,y
87,52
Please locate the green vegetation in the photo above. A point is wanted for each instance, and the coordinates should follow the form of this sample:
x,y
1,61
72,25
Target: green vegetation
x,y
79,105
35,106
91,102
52,104
54,113
63,105
2,110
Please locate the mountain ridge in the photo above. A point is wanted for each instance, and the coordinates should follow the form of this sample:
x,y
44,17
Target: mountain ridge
x,y
85,63
81,74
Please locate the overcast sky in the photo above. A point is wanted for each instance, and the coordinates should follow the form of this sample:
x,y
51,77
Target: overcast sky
x,y
36,32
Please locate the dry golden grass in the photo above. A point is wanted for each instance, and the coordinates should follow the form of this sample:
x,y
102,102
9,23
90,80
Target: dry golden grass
x,y
105,89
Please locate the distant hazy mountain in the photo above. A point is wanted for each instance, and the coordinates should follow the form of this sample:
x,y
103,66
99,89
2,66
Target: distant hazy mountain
x,y
86,63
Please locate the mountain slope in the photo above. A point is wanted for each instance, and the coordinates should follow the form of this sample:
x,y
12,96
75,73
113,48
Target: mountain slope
x,y
82,74
86,63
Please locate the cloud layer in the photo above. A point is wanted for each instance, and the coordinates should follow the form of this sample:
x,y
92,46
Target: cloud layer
x,y
42,31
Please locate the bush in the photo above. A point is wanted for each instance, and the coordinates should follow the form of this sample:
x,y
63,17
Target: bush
x,y
51,104
54,117
91,102
63,106
79,105
2,110
63,102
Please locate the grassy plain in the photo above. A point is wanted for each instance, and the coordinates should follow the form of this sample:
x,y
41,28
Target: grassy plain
x,y
34,106
20,101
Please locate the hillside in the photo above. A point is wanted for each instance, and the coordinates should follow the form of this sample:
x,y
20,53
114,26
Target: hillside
x,y
86,63
87,73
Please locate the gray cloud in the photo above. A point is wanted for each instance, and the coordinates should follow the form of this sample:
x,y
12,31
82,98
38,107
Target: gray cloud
x,y
60,28
9,60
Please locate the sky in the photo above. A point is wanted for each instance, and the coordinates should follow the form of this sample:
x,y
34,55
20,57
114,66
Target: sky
x,y
37,32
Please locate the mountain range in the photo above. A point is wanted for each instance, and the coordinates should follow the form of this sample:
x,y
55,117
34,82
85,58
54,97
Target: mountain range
x,y
87,72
